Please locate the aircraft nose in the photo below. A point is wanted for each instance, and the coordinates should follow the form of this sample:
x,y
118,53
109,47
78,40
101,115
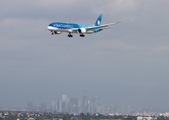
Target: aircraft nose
x,y
48,27
51,28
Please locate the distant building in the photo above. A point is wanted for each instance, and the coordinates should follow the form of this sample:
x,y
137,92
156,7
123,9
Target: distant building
x,y
60,106
64,98
65,103
85,103
98,109
31,118
145,118
30,106
103,110
53,106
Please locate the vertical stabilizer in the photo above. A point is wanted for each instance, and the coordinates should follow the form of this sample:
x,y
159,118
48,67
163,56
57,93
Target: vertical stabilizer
x,y
99,20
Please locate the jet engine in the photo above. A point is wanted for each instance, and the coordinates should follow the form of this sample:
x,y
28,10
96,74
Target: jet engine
x,y
82,30
57,32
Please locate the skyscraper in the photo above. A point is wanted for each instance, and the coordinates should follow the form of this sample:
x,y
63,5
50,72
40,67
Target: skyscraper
x,y
73,105
53,106
85,103
64,98
65,103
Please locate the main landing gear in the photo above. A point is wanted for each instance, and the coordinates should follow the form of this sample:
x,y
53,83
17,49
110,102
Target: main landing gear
x,y
70,35
81,35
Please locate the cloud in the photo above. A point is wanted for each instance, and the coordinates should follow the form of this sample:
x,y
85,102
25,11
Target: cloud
x,y
161,49
108,46
18,32
54,3
116,44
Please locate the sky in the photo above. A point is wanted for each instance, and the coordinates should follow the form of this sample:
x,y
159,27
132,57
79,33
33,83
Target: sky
x,y
127,64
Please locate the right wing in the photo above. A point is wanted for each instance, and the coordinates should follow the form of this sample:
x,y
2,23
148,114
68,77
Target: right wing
x,y
102,26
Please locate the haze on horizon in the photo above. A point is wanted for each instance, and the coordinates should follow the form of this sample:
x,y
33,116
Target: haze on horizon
x,y
128,64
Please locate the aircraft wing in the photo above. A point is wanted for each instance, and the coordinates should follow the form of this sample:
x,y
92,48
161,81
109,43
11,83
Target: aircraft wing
x,y
102,26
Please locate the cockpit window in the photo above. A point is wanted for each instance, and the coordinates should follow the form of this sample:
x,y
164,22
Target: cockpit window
x,y
51,24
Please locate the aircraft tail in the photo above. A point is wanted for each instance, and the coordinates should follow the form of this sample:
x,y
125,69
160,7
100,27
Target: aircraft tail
x,y
99,20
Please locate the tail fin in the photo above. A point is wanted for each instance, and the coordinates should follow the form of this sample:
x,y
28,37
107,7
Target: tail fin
x,y
99,20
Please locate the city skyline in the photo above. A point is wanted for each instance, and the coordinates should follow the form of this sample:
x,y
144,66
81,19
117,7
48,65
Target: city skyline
x,y
74,105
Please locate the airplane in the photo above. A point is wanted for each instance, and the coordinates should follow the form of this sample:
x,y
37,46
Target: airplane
x,y
57,28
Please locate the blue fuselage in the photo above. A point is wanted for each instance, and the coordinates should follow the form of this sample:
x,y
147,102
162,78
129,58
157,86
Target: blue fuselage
x,y
68,25
65,27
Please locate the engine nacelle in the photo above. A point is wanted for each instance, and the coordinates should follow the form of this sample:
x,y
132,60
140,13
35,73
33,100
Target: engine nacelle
x,y
57,32
82,30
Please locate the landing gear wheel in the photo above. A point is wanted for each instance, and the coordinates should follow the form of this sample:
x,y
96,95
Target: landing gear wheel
x,y
82,35
69,35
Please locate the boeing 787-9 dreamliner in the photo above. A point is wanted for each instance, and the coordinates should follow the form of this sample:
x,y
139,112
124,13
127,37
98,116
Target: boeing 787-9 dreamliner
x,y
81,29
